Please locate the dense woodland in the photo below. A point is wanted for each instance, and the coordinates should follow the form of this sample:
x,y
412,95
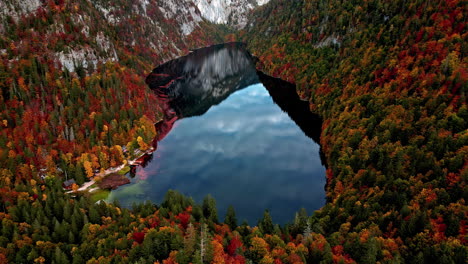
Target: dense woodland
x,y
389,79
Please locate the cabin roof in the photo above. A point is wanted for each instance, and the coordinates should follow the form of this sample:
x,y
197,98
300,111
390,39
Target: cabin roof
x,y
69,182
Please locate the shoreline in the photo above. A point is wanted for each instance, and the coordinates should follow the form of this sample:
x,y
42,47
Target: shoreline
x,y
92,186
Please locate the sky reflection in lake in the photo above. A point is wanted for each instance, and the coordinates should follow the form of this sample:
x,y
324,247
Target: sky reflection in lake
x,y
245,152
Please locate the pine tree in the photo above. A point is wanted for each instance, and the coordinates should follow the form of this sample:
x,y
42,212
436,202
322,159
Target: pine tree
x,y
79,174
94,215
230,218
67,211
266,223
209,209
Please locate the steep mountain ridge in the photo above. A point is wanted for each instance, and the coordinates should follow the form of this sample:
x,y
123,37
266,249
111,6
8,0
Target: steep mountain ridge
x,y
156,31
230,12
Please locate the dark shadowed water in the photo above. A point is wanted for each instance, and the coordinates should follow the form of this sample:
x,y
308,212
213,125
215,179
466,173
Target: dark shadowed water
x,y
241,136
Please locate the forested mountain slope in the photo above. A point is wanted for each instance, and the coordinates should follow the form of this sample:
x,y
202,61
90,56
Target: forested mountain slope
x,y
73,98
72,78
390,80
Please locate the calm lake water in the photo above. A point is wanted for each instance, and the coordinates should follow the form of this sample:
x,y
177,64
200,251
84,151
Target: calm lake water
x,y
224,135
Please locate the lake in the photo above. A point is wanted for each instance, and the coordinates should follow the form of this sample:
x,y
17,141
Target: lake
x,y
243,137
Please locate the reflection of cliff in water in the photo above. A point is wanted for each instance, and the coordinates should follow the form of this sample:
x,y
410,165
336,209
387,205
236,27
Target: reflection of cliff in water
x,y
203,78
190,85
285,96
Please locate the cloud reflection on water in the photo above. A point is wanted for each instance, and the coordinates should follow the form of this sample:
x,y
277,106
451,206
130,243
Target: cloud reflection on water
x,y
246,152
252,150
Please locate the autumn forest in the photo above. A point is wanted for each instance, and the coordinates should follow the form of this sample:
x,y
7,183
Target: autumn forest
x,y
388,79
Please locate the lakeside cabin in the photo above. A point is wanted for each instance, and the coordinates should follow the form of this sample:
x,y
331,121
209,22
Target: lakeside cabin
x,y
67,185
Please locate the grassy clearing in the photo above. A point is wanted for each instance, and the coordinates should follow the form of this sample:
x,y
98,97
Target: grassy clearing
x,y
99,195
124,171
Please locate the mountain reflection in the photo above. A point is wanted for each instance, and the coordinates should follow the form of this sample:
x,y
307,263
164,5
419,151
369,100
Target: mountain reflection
x,y
241,136
203,78
191,85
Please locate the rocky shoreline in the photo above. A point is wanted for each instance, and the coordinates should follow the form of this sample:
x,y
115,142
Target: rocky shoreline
x,y
113,181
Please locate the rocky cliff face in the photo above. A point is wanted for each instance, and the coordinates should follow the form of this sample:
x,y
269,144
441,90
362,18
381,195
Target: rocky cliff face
x,y
91,32
231,12
161,30
98,31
